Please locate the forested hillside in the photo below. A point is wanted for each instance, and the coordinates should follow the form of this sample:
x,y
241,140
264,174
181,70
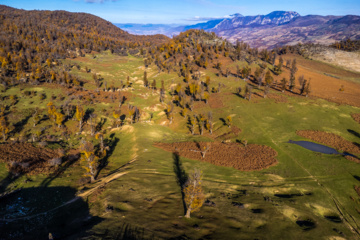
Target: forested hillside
x,y
32,41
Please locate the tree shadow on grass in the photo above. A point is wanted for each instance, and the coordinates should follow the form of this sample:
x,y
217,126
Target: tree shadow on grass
x,y
223,121
356,134
100,124
60,170
181,176
356,177
19,126
131,233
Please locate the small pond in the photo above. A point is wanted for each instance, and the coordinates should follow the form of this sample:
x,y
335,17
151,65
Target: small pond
x,y
315,147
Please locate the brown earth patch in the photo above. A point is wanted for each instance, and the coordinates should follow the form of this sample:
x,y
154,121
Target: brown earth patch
x,y
215,101
25,158
351,158
323,84
331,140
356,117
249,158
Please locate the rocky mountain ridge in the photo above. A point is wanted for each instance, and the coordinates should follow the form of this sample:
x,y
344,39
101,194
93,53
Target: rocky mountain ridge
x,y
277,28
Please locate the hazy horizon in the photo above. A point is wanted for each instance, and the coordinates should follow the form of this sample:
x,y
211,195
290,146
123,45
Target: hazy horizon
x,y
186,11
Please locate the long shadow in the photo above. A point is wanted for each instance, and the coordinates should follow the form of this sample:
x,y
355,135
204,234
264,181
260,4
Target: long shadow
x,y
131,233
356,134
223,121
100,124
19,126
356,177
34,213
181,176
60,170
239,95
10,178
88,113
111,143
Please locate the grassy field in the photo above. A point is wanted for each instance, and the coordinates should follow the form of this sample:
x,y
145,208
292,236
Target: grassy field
x,y
307,195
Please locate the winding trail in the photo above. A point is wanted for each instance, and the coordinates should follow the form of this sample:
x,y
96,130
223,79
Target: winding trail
x,y
117,173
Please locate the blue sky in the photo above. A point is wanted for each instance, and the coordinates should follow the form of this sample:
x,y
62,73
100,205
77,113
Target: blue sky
x,y
186,11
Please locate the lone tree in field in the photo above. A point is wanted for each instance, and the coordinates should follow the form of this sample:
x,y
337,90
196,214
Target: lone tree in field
x,y
79,116
169,111
117,115
307,89
194,197
248,91
91,161
4,128
36,117
229,121
283,84
146,81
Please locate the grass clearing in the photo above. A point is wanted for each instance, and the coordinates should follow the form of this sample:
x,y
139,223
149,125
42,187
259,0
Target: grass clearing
x,y
287,201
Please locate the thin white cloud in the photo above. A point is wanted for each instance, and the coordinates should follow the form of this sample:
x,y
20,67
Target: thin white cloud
x,y
98,1
202,19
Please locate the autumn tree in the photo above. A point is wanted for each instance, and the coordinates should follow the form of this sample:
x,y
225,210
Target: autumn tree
x,y
248,92
80,116
169,111
307,88
194,197
145,80
209,123
91,161
100,136
4,128
36,117
191,124
51,111
229,120
291,81
117,115
92,117
268,78
283,83
59,118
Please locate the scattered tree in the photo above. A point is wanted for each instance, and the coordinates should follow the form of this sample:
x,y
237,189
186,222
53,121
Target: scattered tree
x,y
91,161
194,197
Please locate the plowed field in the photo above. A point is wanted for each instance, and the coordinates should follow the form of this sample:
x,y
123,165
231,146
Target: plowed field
x,y
249,158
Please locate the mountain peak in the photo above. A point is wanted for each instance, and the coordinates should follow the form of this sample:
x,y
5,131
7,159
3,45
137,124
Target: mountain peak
x,y
273,18
236,15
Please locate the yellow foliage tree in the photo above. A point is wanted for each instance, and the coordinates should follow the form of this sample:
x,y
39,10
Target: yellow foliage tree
x,y
51,111
194,197
229,120
79,115
91,161
59,118
4,128
116,115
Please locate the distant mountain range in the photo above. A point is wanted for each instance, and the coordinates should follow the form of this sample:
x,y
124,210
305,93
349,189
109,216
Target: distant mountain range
x,y
266,31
